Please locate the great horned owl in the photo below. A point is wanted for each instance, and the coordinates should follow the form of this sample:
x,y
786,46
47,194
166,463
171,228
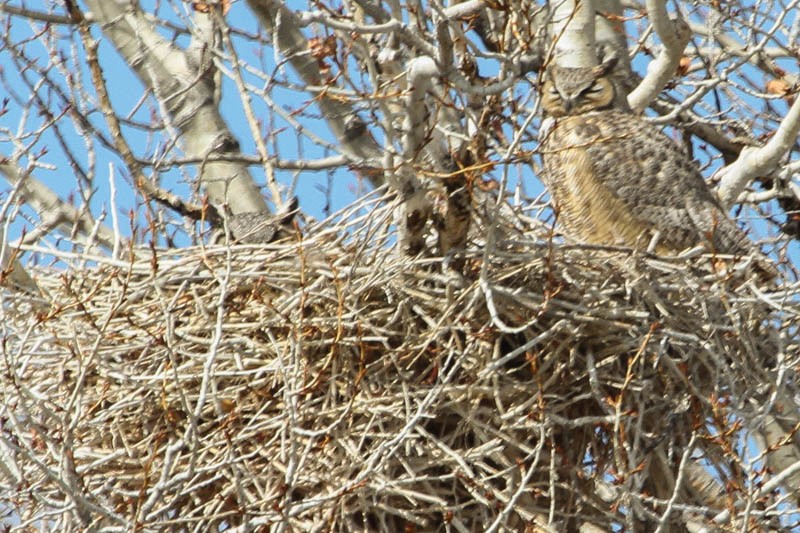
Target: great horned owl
x,y
254,227
616,179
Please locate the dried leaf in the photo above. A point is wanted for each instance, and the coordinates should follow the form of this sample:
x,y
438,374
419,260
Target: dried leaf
x,y
612,17
322,48
227,405
683,66
205,7
779,87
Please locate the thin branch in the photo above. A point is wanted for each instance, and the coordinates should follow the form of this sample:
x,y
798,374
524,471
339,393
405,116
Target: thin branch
x,y
325,163
32,14
403,32
283,24
148,189
244,94
187,97
755,162
775,482
674,35
51,208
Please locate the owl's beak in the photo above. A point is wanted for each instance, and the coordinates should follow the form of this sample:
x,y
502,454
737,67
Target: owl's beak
x,y
569,103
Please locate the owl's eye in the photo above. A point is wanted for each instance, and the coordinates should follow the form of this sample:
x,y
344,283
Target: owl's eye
x,y
595,88
553,91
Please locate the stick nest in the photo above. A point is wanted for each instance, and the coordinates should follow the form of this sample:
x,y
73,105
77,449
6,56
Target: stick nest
x,y
330,383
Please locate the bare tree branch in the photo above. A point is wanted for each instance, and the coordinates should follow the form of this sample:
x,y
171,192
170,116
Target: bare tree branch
x,y
54,212
416,131
187,94
33,14
755,162
284,26
674,34
574,28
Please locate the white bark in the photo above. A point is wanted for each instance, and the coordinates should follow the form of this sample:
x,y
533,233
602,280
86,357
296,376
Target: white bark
x,y
574,27
755,162
417,206
609,31
421,72
54,212
674,34
284,26
187,96
464,9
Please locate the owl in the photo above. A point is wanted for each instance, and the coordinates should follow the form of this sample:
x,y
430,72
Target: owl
x,y
254,227
616,179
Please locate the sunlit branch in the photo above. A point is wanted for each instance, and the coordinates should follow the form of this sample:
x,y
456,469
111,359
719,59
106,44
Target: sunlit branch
x,y
325,163
187,97
574,29
674,34
755,162
54,212
283,24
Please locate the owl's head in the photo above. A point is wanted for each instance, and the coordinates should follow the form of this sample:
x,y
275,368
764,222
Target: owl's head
x,y
574,91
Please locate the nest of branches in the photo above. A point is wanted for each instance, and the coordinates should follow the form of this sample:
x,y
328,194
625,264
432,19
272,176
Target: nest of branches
x,y
329,383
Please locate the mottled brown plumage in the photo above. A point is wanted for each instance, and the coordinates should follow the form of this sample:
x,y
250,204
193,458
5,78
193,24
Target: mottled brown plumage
x,y
256,227
616,179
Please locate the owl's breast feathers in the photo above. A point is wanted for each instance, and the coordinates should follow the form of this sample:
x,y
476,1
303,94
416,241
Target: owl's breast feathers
x,y
616,179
